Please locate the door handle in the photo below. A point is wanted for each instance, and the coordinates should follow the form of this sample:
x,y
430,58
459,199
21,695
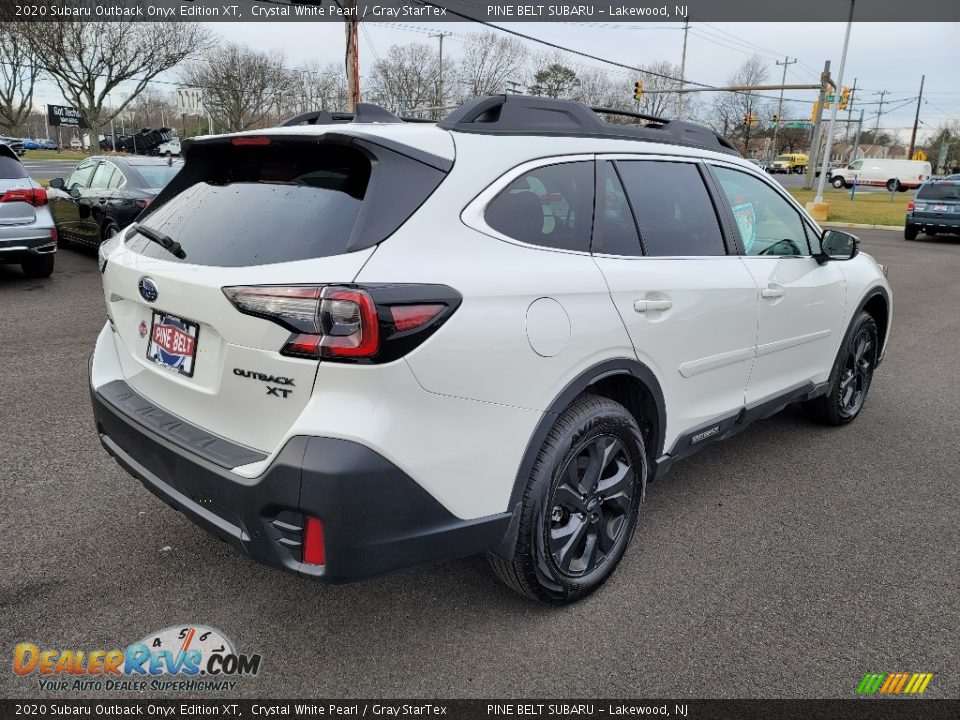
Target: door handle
x,y
643,305
771,292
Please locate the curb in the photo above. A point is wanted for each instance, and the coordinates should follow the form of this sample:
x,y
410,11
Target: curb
x,y
862,226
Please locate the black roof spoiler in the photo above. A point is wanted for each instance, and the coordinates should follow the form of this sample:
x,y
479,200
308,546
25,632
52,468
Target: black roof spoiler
x,y
532,115
363,113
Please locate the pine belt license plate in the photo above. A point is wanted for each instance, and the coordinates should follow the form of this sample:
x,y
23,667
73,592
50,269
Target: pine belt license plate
x,y
940,208
173,342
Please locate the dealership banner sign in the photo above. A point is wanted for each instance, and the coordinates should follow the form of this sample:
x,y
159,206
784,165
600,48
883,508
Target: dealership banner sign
x,y
65,116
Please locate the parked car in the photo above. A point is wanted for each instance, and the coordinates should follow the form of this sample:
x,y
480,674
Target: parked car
x,y
28,236
789,163
891,174
47,144
15,144
935,209
762,164
30,144
103,195
952,177
348,348
170,147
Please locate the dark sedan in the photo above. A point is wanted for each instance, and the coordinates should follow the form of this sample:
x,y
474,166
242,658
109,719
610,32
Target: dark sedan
x,y
104,194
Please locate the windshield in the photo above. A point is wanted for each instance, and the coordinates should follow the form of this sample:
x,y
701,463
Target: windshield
x,y
782,158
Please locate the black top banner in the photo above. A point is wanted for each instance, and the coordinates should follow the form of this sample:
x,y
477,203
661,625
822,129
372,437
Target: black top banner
x,y
614,11
64,115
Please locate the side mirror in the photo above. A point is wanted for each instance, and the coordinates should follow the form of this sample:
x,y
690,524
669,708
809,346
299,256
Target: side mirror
x,y
57,183
838,245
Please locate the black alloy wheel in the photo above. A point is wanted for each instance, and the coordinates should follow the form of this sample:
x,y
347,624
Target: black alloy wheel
x,y
857,372
590,506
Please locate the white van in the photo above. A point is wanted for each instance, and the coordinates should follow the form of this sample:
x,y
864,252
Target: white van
x,y
170,147
891,174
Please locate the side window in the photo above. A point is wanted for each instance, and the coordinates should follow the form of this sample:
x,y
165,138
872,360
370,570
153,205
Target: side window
x,y
767,223
103,176
550,206
857,165
614,229
672,208
117,179
80,177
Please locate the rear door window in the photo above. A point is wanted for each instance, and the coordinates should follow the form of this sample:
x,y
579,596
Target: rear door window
x,y
614,230
261,205
551,206
672,208
103,176
80,177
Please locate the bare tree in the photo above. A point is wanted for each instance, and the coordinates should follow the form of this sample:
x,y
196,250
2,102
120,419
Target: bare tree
x,y
152,108
552,78
18,77
655,101
319,87
89,59
489,60
740,115
242,88
406,77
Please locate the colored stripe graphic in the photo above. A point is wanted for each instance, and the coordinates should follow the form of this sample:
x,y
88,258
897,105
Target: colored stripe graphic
x,y
894,683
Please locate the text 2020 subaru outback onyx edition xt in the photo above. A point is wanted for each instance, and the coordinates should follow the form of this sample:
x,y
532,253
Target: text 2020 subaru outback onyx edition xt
x,y
352,347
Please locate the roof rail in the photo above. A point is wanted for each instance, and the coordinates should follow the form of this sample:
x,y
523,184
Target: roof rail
x,y
532,115
363,113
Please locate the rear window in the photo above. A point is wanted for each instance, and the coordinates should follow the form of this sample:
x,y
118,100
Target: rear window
x,y
157,176
939,191
11,168
263,204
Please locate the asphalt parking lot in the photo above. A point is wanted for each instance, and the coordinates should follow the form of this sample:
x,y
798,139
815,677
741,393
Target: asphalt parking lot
x,y
786,562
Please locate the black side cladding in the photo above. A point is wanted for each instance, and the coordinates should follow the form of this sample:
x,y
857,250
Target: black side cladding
x,y
529,115
401,178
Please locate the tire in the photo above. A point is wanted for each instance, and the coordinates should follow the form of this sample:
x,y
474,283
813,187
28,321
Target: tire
x,y
851,376
587,484
38,267
110,228
910,232
838,183
893,185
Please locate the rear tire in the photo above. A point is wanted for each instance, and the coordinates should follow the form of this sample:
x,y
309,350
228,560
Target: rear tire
x,y
851,376
580,506
39,267
910,232
893,185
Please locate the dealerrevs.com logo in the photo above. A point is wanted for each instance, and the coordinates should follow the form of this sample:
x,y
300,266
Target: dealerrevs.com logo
x,y
188,658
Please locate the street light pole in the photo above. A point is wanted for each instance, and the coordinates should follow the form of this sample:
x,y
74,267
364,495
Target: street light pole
x,y
833,110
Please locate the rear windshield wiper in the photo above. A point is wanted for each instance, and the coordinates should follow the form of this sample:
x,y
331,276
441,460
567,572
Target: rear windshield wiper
x,y
164,241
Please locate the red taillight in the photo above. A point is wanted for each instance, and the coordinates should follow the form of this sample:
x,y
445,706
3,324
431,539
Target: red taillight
x,y
409,317
54,235
910,206
31,196
314,552
246,140
348,323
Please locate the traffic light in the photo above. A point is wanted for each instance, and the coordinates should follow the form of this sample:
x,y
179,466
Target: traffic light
x,y
749,119
815,111
844,98
638,90
776,119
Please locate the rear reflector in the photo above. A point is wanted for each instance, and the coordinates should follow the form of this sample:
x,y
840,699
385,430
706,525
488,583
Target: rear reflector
x,y
314,552
31,196
251,141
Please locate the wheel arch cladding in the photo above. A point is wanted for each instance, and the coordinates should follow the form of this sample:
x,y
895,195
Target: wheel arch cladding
x,y
878,305
628,382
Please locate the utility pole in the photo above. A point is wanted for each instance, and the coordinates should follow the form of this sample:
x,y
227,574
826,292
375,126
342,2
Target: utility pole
x,y
683,68
817,130
776,126
833,109
853,92
352,31
916,120
876,130
512,86
440,35
856,139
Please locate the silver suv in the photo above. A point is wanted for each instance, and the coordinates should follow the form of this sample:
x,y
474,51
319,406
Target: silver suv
x,y
27,232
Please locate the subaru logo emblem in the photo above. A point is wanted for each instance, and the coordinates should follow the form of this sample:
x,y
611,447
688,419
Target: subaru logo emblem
x,y
148,289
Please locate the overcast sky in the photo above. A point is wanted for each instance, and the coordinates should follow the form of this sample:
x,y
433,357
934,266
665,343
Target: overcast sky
x,y
883,56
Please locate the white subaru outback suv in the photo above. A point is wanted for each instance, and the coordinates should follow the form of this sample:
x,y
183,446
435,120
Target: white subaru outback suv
x,y
348,348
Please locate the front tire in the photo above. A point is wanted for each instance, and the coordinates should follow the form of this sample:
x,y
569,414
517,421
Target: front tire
x,y
838,183
38,267
851,376
580,507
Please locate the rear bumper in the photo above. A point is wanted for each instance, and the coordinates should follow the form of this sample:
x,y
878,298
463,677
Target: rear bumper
x,y
951,225
30,246
375,518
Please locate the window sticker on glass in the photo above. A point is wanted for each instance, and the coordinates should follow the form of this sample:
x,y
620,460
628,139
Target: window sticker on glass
x,y
747,223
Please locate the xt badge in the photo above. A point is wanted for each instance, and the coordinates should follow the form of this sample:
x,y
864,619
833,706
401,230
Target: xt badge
x,y
264,377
